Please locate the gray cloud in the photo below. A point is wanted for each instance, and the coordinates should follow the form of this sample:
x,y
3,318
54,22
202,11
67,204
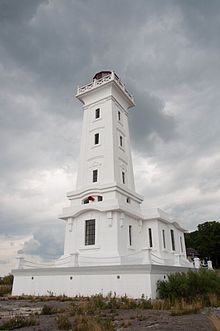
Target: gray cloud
x,y
47,242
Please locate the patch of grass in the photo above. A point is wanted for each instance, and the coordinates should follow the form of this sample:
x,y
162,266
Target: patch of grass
x,y
213,300
48,310
184,308
88,323
63,322
17,323
161,304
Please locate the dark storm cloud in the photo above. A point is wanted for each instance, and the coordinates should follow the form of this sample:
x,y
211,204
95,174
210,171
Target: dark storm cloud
x,y
148,119
166,52
18,11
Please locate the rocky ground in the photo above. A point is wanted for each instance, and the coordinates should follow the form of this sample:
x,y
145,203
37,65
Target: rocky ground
x,y
123,319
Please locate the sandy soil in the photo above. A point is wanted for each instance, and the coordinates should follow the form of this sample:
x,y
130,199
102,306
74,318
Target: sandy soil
x,y
128,320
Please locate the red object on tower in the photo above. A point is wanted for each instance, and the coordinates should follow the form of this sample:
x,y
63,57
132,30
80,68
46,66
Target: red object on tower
x,y
90,198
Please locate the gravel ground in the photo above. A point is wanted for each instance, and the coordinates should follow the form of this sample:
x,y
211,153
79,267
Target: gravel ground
x,y
127,320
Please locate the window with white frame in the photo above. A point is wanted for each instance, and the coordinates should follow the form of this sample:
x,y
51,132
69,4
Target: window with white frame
x,y
121,141
95,175
119,115
90,232
123,177
130,235
172,240
97,113
164,238
181,244
96,138
150,237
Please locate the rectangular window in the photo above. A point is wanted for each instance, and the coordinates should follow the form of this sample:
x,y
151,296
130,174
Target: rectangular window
x,y
96,138
121,141
100,198
150,237
172,240
130,234
123,177
119,115
164,238
97,113
95,176
181,244
90,232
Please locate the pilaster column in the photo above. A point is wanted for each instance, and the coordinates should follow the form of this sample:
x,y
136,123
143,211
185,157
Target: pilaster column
x,y
74,259
20,262
147,255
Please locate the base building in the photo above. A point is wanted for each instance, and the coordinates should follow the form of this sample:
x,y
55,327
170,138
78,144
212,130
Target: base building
x,y
111,245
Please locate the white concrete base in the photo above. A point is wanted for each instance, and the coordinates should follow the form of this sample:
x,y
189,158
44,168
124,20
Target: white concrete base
x,y
132,280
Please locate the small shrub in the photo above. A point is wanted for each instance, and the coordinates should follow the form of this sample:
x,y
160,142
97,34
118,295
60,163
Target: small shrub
x,y
85,323
7,280
18,322
5,290
63,323
145,304
106,324
48,310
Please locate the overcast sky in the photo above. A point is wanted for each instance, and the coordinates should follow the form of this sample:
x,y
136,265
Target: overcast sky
x,y
168,55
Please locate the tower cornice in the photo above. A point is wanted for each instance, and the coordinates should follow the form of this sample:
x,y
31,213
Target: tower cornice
x,y
76,194
110,78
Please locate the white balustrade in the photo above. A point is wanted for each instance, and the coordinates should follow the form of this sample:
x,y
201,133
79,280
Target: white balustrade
x,y
104,80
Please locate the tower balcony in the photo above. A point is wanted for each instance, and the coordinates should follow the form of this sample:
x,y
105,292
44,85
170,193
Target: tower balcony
x,y
103,78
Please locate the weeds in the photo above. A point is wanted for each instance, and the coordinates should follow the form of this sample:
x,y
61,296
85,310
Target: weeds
x,y
85,323
63,322
182,307
48,310
18,322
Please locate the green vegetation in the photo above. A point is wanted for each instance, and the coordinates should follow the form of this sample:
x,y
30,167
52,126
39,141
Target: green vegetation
x,y
97,303
7,280
18,322
6,285
206,240
63,322
85,323
48,310
191,291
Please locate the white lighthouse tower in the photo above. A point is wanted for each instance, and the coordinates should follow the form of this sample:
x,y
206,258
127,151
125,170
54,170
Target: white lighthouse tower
x,y
103,218
111,245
